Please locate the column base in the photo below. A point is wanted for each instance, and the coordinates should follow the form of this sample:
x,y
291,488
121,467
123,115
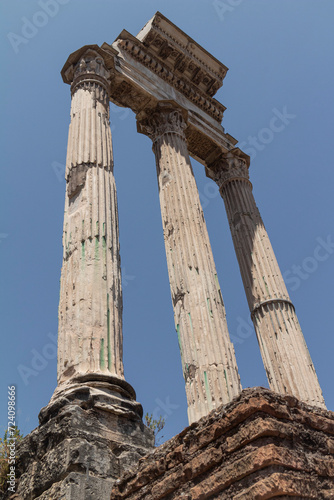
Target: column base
x,y
89,434
103,392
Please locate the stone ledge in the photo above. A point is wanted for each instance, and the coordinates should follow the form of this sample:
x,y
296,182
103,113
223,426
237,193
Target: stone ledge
x,y
78,452
262,445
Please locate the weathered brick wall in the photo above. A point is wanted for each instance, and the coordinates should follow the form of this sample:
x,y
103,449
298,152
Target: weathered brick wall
x,y
260,446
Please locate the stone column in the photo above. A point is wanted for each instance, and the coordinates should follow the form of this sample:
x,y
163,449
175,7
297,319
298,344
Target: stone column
x,y
207,354
91,431
285,355
90,307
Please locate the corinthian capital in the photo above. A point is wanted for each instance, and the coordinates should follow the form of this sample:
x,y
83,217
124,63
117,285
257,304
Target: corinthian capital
x,y
87,65
229,166
91,63
165,118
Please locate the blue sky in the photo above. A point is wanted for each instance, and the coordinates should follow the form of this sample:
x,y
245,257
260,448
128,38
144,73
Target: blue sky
x,y
279,56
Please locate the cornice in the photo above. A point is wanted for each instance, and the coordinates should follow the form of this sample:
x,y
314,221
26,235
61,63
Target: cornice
x,y
140,53
189,47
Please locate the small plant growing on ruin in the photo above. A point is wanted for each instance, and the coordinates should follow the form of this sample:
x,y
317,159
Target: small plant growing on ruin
x,y
156,426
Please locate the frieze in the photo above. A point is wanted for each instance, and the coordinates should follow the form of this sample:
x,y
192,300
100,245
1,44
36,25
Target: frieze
x,y
202,100
184,64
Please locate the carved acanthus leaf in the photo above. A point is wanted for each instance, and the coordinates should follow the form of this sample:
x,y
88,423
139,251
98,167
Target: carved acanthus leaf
x,y
91,64
161,122
227,167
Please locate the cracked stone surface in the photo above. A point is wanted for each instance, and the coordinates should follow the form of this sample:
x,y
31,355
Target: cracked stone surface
x,y
286,359
208,360
260,446
90,306
81,447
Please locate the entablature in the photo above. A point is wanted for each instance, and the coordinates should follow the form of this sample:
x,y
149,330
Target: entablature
x,y
144,72
182,55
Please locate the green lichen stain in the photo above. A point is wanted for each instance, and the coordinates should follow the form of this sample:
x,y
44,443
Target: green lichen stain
x,y
82,253
108,334
96,256
265,284
192,333
102,363
191,324
69,242
228,392
219,290
263,349
104,229
97,227
207,390
209,309
104,245
179,339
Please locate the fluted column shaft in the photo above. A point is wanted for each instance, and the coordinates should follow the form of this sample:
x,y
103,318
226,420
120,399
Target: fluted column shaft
x,y
285,355
207,354
90,308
